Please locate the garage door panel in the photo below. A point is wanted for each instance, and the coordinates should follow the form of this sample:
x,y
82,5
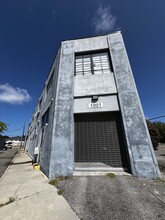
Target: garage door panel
x,y
99,138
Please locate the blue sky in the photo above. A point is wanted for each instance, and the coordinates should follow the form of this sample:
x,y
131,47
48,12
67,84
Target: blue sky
x,y
31,31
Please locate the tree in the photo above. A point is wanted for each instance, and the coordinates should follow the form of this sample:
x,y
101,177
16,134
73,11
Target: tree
x,y
4,137
3,127
154,134
161,127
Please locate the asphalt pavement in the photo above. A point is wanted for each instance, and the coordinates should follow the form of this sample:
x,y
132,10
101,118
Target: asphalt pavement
x,y
5,158
115,198
26,194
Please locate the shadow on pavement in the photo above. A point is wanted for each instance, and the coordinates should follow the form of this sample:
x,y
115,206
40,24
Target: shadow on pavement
x,y
22,162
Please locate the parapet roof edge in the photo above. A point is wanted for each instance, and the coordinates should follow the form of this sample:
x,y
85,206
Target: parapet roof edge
x,y
79,38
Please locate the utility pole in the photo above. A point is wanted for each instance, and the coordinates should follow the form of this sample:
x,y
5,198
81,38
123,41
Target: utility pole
x,y
23,131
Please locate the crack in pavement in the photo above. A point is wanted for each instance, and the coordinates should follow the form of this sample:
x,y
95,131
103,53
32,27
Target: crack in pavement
x,y
32,194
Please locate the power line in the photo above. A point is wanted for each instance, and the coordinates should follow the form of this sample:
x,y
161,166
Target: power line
x,y
162,116
13,130
156,114
159,107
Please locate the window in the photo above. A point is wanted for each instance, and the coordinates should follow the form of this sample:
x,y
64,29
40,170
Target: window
x,y
45,95
45,118
49,85
37,116
97,63
40,102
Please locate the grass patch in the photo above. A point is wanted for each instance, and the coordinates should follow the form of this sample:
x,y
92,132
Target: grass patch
x,y
55,181
11,199
111,175
162,180
60,192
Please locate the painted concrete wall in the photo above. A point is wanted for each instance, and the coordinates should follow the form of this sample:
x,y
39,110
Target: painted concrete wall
x,y
110,103
141,153
46,145
88,44
57,145
43,140
62,153
32,134
94,84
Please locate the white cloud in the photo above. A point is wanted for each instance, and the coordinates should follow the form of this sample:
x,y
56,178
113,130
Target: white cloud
x,y
103,20
13,95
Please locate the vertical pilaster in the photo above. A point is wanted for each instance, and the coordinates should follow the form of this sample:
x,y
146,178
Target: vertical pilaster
x,y
62,154
141,153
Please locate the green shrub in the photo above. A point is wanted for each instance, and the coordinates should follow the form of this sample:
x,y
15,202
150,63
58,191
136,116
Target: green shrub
x,y
161,128
154,134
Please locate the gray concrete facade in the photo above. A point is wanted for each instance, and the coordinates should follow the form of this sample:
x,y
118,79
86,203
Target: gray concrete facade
x,y
141,153
61,162
70,94
111,104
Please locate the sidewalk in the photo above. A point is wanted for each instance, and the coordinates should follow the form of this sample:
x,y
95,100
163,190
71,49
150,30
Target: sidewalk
x,y
25,194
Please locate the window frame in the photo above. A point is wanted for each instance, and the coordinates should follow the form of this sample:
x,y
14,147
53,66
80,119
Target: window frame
x,y
93,71
50,82
45,118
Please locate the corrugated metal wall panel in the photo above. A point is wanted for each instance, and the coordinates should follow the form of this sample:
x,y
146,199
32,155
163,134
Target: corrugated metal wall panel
x,y
99,138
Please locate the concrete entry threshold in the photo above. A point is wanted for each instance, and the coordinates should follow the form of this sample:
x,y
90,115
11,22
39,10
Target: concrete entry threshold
x,y
94,169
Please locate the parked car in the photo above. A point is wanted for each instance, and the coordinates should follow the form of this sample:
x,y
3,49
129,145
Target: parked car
x,y
3,144
9,145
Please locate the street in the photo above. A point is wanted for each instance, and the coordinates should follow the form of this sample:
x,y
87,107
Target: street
x,y
5,158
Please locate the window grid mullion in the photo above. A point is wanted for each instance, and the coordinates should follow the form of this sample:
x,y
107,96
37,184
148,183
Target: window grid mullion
x,y
92,67
98,63
101,65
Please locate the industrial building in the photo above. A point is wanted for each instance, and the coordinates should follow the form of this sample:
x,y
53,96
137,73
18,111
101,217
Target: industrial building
x,y
89,116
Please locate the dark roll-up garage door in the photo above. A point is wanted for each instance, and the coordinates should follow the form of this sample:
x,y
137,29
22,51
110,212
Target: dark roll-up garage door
x,y
99,138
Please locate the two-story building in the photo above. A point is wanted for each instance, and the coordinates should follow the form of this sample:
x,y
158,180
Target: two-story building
x,y
89,116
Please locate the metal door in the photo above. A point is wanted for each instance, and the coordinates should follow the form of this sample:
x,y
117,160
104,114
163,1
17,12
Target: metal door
x,y
99,138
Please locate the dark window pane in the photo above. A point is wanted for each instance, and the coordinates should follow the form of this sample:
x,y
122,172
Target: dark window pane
x,y
45,118
50,82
